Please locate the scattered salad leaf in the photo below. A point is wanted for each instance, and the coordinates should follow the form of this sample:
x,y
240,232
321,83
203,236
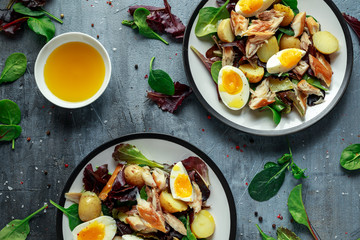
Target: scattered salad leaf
x,y
131,155
297,209
284,158
171,103
263,235
71,212
350,157
95,181
15,67
10,115
9,132
18,229
20,8
286,234
292,4
160,81
354,23
287,31
42,26
269,165
208,63
209,18
215,69
33,3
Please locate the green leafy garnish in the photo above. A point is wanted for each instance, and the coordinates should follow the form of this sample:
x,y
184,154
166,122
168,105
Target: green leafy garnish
x,y
189,234
215,69
10,116
263,235
279,37
71,212
276,114
287,31
15,67
269,165
42,26
292,4
143,194
18,229
130,154
350,157
314,82
209,18
140,16
160,81
20,8
286,234
297,209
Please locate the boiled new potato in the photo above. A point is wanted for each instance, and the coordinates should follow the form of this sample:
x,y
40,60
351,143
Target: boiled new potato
x,y
287,41
253,74
288,14
133,175
268,49
171,205
325,42
224,31
203,225
89,206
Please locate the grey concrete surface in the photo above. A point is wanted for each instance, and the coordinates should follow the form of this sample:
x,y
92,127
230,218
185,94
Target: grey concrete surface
x,y
331,195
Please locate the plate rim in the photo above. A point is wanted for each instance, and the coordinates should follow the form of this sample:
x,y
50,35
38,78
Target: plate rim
x,y
295,129
159,136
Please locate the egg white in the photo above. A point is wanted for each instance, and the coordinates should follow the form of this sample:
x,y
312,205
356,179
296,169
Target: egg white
x,y
228,98
130,237
274,65
175,171
110,227
266,4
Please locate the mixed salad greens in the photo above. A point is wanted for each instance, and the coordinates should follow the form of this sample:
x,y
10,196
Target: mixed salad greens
x,y
142,199
280,51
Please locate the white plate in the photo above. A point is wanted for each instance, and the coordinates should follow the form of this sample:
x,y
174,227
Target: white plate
x,y
163,149
261,123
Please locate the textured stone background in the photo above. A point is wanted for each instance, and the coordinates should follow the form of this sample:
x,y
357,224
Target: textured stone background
x,y
331,195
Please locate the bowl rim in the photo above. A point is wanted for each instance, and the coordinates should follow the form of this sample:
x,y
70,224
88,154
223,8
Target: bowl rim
x,y
38,69
271,133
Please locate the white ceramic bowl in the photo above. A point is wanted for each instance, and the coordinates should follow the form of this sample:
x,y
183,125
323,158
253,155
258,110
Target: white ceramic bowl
x,y
50,47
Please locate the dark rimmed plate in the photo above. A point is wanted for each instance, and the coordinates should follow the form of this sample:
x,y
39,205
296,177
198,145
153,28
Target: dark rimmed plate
x,y
164,149
260,123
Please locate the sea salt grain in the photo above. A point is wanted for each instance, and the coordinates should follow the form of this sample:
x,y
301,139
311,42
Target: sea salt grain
x,y
10,188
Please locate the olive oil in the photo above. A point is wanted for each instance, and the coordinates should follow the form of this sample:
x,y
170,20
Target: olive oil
x,y
74,71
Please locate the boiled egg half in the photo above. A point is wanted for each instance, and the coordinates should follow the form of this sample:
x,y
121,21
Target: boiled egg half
x,y
285,60
101,228
249,8
180,184
233,87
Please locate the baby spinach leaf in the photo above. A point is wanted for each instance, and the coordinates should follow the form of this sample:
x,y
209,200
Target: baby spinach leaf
x,y
215,69
285,158
9,132
143,193
18,229
263,235
314,82
350,157
20,8
15,67
267,183
286,234
160,81
287,31
209,18
140,16
189,233
269,165
297,209
130,154
42,26
9,112
71,212
279,37
292,4
276,114
297,172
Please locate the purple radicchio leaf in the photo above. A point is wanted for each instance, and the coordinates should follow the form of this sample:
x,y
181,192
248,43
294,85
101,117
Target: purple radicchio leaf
x,y
95,181
354,23
171,103
122,196
119,181
123,228
195,163
33,3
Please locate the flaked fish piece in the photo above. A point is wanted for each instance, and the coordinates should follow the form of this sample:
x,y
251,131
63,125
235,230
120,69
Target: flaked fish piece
x,y
262,96
137,224
153,197
255,42
148,213
301,69
312,25
228,56
299,100
321,68
175,223
74,197
159,177
270,15
305,42
239,23
308,89
197,202
147,177
298,24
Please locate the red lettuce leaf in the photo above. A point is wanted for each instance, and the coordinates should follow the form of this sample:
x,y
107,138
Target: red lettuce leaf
x,y
354,23
95,181
33,3
119,180
150,8
171,103
205,191
195,163
123,228
121,196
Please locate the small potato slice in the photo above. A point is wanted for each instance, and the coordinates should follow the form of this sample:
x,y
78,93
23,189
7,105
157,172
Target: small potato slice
x,y
133,175
171,205
253,74
268,49
203,225
89,206
224,31
288,14
287,41
325,42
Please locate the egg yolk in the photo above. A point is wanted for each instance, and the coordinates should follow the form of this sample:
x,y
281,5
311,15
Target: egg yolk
x,y
290,58
182,186
231,82
94,231
250,6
